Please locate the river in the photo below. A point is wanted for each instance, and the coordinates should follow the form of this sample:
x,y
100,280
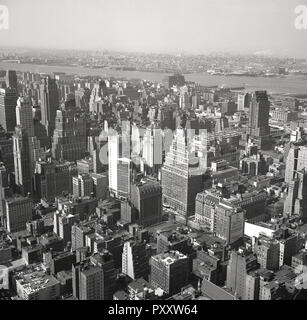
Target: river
x,y
286,85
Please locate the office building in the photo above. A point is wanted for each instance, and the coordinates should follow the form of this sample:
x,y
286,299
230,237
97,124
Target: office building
x,y
87,281
24,115
229,223
182,177
259,128
8,102
105,261
22,161
49,97
169,271
11,79
146,197
83,185
239,265
18,211
69,136
135,260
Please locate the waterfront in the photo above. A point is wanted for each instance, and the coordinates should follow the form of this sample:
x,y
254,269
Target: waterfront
x,y
286,85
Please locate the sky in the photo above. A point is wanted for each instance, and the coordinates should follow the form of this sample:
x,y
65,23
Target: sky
x,y
161,26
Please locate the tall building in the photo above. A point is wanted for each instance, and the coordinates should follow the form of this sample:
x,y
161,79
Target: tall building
x,y
62,224
8,101
123,178
181,176
229,223
52,178
49,97
11,79
296,161
259,128
119,163
243,101
146,197
83,185
69,138
24,115
87,281
169,271
153,148
113,155
135,260
296,199
238,267
6,151
267,251
18,211
22,161
100,185
105,261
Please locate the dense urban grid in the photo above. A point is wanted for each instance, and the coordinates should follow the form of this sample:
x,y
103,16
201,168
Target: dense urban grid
x,y
116,189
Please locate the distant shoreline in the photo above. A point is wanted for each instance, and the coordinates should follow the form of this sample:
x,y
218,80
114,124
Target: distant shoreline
x,y
289,85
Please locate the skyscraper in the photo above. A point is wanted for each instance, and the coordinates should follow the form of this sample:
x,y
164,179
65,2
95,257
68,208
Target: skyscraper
x,y
49,97
146,196
181,176
22,161
119,163
259,128
11,79
153,148
296,200
8,101
24,115
69,138
123,177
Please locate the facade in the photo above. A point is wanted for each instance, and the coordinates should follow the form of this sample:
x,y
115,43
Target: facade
x,y
146,197
135,260
69,137
24,115
11,79
238,267
22,161
8,102
259,119
229,223
18,211
182,178
82,185
87,281
49,97
105,261
169,271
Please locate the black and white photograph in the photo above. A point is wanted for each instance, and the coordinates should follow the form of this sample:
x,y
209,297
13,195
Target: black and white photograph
x,y
153,153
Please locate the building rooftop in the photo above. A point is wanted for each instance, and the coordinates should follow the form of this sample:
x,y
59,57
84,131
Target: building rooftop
x,y
34,279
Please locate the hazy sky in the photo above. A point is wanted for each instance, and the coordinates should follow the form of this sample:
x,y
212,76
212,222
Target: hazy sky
x,y
191,26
